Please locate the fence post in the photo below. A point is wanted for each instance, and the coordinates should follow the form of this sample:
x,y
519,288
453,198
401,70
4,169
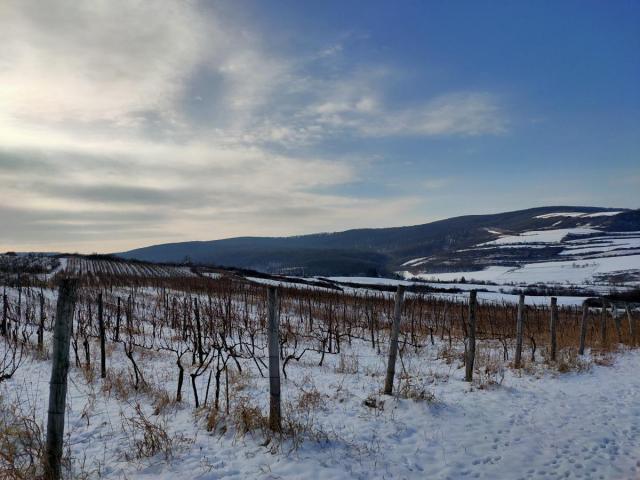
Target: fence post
x,y
603,322
41,324
519,332
553,326
5,306
393,347
632,325
471,348
617,322
103,360
67,296
116,337
583,326
274,360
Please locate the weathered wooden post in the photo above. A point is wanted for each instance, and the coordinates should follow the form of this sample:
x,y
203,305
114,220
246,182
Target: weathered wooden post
x,y
41,324
632,325
103,359
198,331
275,416
5,306
583,326
116,336
603,322
617,322
393,347
471,347
553,327
67,296
519,332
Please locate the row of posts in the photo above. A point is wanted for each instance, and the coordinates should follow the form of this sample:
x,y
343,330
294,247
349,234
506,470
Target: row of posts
x,y
67,298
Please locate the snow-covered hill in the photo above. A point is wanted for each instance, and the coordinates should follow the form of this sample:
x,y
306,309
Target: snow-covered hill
x,y
579,255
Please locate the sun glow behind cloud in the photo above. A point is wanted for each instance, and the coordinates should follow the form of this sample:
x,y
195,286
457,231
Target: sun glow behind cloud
x,y
126,123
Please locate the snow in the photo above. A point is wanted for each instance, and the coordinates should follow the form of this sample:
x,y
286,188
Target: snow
x,y
579,214
414,262
602,214
570,271
541,236
547,425
601,244
369,280
560,214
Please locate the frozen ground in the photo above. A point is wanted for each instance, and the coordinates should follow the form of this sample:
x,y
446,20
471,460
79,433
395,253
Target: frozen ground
x,y
540,425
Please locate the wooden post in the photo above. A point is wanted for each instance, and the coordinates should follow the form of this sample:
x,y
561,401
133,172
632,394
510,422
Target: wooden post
x,y
393,347
632,326
116,337
519,332
603,322
274,361
583,326
471,348
67,296
617,322
198,332
41,324
103,359
5,306
552,328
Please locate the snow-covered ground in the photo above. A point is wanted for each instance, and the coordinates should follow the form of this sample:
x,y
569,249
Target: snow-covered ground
x,y
578,214
540,236
572,272
538,425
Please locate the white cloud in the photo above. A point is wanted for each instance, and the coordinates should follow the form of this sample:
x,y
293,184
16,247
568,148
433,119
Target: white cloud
x,y
96,118
462,113
101,61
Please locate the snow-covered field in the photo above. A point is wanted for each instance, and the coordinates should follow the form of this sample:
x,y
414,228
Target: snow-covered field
x,y
533,425
573,418
583,252
570,272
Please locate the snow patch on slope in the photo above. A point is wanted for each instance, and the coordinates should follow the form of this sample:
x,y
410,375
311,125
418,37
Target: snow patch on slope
x,y
541,236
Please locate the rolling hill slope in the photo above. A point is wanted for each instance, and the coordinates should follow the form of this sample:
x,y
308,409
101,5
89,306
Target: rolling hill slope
x,y
470,242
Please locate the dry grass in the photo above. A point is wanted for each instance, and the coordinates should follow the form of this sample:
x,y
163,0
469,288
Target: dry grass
x,y
569,361
21,444
148,437
413,388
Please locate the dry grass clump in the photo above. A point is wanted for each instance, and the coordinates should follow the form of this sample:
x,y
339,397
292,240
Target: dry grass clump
x,y
411,388
309,400
117,383
450,355
121,384
244,417
569,361
240,381
21,444
161,400
148,437
89,373
491,374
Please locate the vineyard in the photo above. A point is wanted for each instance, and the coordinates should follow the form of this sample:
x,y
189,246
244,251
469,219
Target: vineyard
x,y
171,373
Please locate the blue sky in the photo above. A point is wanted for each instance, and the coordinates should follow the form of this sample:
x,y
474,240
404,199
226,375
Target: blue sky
x,y
129,123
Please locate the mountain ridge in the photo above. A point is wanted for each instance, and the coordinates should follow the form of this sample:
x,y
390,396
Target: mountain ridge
x,y
377,251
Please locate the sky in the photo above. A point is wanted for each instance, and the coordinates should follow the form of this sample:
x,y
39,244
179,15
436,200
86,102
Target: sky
x,y
127,123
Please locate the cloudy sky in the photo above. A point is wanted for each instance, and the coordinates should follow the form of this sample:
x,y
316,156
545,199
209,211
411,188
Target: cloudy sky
x,y
125,123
